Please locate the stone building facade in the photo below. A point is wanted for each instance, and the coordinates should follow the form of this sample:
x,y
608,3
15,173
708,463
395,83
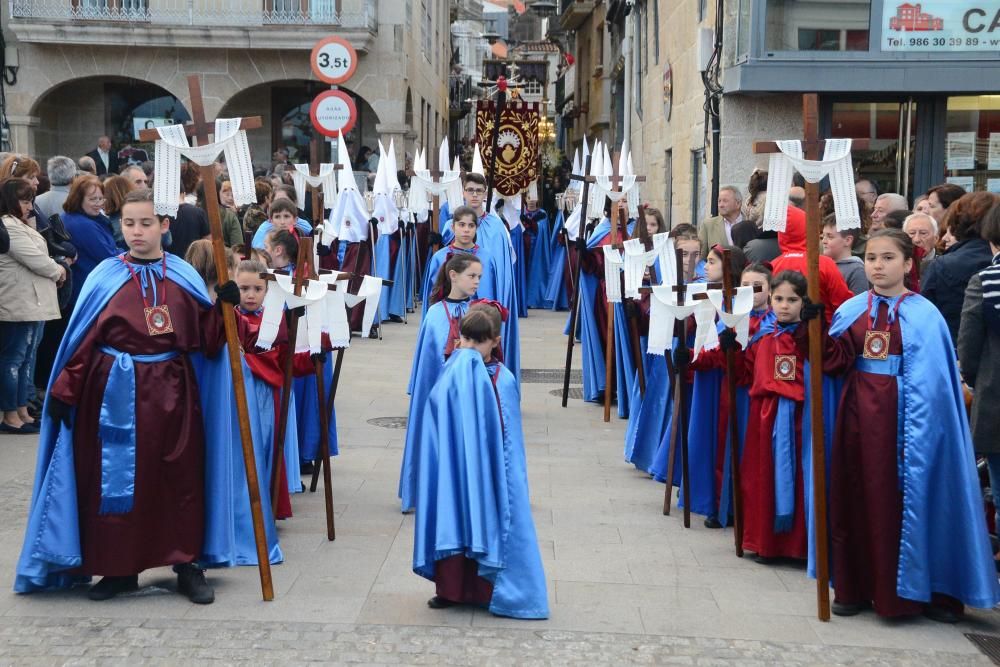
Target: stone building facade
x,y
92,67
921,97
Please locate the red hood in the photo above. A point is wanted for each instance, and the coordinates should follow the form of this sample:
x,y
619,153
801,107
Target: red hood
x,y
793,239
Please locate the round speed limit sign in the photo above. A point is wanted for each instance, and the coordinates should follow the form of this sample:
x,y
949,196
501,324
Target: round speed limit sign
x,y
333,113
333,60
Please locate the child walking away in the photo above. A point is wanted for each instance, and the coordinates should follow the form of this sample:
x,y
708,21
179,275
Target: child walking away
x,y
474,534
438,337
907,529
771,469
837,246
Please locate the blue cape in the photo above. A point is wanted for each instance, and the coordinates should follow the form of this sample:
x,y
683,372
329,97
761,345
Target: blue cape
x,y
474,486
307,413
538,264
944,547
428,360
592,355
520,270
393,301
52,538
555,291
649,416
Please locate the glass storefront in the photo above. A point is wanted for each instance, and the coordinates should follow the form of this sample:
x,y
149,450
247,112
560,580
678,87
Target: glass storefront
x,y
890,128
972,142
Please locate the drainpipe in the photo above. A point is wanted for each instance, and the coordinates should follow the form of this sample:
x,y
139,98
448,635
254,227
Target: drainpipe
x,y
627,52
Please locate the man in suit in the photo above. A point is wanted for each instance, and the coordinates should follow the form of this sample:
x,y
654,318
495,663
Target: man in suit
x,y
104,158
719,229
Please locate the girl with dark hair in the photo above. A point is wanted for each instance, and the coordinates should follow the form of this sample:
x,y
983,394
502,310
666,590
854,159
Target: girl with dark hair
x,y
772,465
438,337
474,536
906,518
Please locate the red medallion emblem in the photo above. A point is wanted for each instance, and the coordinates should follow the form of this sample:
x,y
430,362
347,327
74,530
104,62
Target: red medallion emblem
x,y
784,367
876,345
158,320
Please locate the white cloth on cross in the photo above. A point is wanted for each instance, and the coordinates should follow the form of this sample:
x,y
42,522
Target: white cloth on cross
x,y
423,186
739,319
280,294
613,264
370,292
836,164
338,328
637,258
665,311
327,179
230,140
348,220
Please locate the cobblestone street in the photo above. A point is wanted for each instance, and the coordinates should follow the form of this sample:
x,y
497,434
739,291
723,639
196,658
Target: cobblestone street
x,y
626,584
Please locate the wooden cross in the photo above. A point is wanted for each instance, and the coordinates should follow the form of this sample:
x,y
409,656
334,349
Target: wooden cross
x,y
728,292
436,176
199,130
618,218
812,146
581,247
318,202
679,421
303,273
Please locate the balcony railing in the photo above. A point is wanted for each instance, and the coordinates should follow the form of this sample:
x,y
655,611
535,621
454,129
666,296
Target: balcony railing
x,y
362,14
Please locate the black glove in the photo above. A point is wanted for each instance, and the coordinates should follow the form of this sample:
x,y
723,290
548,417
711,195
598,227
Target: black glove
x,y
682,357
433,238
228,292
811,311
323,250
59,411
318,357
294,313
727,340
630,308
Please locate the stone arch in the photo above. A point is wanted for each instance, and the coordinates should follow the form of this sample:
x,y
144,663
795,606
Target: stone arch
x,y
71,114
283,105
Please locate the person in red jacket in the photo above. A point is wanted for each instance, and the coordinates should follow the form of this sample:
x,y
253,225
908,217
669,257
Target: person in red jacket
x,y
833,290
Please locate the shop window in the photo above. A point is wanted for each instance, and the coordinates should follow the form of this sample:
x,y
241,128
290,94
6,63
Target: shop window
x,y
743,28
135,106
813,25
699,197
972,143
668,183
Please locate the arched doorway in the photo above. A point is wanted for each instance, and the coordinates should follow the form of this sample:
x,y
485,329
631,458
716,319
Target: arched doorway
x,y
284,108
74,114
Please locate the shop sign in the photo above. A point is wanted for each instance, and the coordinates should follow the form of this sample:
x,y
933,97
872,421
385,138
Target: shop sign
x,y
333,113
333,60
941,25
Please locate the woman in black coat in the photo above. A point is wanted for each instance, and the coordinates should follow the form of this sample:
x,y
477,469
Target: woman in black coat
x,y
947,277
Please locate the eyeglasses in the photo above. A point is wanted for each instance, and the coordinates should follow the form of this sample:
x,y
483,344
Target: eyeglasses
x,y
95,200
475,191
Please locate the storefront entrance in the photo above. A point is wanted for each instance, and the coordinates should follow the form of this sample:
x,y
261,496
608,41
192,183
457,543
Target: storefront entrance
x,y
919,141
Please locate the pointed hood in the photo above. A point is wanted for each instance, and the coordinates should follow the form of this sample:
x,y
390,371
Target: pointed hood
x,y
477,162
345,176
793,239
392,177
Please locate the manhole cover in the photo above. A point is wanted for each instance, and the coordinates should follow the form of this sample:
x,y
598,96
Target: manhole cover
x,y
988,644
549,376
574,392
388,422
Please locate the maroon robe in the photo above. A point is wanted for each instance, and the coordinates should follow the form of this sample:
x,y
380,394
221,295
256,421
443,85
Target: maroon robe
x,y
757,464
457,579
866,502
166,523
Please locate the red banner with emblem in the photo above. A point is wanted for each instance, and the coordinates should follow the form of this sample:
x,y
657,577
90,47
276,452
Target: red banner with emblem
x,y
517,144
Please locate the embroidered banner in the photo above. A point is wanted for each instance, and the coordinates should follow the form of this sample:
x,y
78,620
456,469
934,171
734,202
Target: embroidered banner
x,y
517,144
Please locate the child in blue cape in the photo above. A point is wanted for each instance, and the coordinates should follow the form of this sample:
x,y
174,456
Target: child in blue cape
x,y
456,283
907,528
474,534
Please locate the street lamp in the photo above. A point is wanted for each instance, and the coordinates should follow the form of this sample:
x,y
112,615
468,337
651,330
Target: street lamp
x,y
543,7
